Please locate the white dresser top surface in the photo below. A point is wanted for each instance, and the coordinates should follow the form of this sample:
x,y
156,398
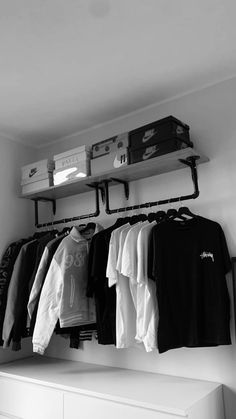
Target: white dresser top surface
x,y
153,391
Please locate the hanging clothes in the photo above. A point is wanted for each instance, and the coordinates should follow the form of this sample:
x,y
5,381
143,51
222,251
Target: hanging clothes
x,y
39,279
63,295
78,334
6,268
33,256
188,261
129,258
22,272
105,296
147,308
125,310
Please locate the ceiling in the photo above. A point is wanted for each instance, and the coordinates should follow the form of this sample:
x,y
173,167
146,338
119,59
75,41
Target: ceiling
x,y
68,65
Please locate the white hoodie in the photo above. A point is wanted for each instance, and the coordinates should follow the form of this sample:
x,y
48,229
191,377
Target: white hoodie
x,y
63,295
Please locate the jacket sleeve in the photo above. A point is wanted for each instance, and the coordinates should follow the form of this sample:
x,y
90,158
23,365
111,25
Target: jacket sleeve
x,y
13,289
48,309
36,288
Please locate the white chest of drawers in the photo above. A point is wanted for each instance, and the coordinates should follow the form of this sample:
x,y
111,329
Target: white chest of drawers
x,y
46,388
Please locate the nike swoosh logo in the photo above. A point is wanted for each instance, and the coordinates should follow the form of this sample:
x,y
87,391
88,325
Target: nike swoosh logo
x,y
148,135
148,155
32,172
120,161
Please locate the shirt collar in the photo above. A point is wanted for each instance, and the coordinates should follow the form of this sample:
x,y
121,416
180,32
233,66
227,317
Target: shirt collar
x,y
77,236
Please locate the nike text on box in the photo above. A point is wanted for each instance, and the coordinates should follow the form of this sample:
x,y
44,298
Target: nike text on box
x,y
109,162
162,130
70,157
110,145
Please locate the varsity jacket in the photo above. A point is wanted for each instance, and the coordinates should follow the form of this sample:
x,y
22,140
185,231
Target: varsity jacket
x,y
63,294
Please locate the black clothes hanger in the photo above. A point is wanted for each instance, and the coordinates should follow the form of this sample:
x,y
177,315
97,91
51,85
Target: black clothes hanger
x,y
120,222
66,230
85,227
173,213
156,216
186,211
143,217
134,219
151,217
137,218
160,216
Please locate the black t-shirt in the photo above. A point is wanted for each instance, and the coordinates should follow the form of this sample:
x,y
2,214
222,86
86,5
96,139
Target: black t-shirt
x,y
189,260
105,297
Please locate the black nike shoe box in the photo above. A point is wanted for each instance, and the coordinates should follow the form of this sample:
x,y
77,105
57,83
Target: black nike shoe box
x,y
163,130
155,150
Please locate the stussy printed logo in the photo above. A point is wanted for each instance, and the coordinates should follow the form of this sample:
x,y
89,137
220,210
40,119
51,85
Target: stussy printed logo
x,y
205,255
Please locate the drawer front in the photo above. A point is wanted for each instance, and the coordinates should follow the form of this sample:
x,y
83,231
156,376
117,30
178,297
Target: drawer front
x,y
29,401
78,406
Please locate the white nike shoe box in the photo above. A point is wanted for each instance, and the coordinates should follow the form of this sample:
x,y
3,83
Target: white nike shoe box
x,y
35,170
110,161
110,145
41,182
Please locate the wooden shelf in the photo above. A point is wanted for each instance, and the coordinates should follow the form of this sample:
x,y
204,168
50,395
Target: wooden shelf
x,y
152,167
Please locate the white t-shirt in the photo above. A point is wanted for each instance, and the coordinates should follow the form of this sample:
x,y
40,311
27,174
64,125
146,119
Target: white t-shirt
x,y
122,238
125,310
147,309
129,258
111,271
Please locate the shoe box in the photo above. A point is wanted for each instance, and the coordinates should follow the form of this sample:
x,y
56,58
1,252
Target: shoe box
x,y
110,145
158,138
110,154
110,162
72,164
37,175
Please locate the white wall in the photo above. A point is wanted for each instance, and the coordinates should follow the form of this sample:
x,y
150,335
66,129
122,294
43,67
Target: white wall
x,y
16,215
211,114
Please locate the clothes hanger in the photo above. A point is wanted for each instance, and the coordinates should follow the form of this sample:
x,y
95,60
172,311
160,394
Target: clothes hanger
x,y
120,222
160,216
85,227
151,216
173,213
134,218
186,211
66,230
142,217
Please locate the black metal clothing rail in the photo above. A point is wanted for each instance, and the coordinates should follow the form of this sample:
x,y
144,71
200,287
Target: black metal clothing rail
x,y
103,186
96,188
189,161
